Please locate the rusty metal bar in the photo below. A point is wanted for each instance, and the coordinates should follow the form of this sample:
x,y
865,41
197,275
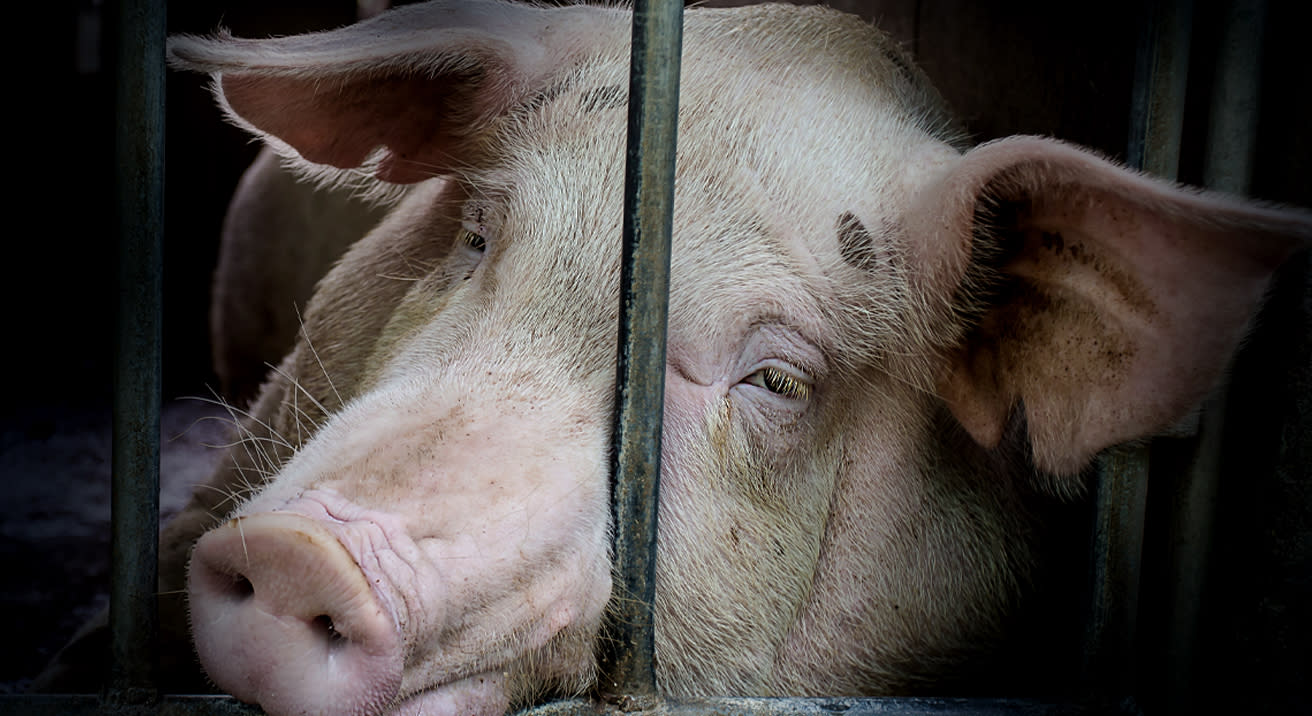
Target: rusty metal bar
x,y
139,155
628,666
1156,128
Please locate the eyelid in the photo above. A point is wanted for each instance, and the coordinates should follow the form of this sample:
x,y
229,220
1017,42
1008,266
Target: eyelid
x,y
805,356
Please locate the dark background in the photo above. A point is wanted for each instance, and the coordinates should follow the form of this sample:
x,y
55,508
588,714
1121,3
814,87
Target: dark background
x,y
1019,67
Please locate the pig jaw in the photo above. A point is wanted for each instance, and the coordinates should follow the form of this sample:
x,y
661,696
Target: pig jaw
x,y
476,577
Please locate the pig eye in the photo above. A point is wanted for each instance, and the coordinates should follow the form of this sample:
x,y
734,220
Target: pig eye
x,y
779,382
471,240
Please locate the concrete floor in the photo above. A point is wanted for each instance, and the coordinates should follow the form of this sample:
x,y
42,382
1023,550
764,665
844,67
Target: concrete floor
x,y
54,519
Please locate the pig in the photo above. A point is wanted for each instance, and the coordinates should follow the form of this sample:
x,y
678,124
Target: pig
x,y
261,285
884,346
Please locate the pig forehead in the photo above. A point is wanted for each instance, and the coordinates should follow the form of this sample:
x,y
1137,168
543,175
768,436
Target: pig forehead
x,y
752,244
800,153
786,146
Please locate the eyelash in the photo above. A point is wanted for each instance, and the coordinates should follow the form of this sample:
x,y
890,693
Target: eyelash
x,y
780,383
472,240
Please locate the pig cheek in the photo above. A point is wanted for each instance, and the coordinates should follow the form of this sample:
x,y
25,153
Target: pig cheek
x,y
531,553
749,529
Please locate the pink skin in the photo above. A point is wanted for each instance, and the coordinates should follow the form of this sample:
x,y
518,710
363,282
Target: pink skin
x,y
450,522
278,590
309,601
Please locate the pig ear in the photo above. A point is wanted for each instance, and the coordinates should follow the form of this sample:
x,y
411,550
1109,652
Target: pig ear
x,y
405,92
1102,303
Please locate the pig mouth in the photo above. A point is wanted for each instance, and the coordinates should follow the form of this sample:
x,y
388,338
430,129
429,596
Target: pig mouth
x,y
285,614
479,695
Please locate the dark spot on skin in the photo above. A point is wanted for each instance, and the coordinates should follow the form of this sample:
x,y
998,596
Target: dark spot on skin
x,y
1065,248
903,67
1037,330
1057,244
1052,242
853,238
1005,230
591,100
599,98
541,99
858,245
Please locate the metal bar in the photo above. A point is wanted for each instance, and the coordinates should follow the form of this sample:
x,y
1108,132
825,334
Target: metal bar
x,y
640,378
1156,128
1232,124
1227,166
139,153
1111,628
1161,75
901,706
89,704
94,705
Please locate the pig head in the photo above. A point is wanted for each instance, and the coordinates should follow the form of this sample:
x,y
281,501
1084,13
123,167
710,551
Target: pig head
x,y
882,345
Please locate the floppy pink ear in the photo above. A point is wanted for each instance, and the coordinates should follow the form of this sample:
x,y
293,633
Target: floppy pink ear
x,y
417,82
1104,303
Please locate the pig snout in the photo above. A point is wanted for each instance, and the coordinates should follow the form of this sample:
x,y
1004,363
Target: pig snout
x,y
284,617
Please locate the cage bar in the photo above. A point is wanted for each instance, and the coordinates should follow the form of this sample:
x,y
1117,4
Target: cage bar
x,y
139,154
639,397
1228,160
640,371
1156,127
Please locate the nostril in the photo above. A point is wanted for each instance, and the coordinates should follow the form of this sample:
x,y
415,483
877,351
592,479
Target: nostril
x,y
324,625
221,582
230,586
283,616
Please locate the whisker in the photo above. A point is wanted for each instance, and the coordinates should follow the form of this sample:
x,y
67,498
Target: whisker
x,y
237,421
295,404
232,496
310,344
241,531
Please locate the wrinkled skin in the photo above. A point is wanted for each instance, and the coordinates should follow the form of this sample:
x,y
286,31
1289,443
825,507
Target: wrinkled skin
x,y
882,344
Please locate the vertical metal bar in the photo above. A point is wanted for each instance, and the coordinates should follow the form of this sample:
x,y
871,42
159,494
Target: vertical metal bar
x,y
1161,74
139,153
1157,121
1227,166
640,380
1232,125
1111,629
